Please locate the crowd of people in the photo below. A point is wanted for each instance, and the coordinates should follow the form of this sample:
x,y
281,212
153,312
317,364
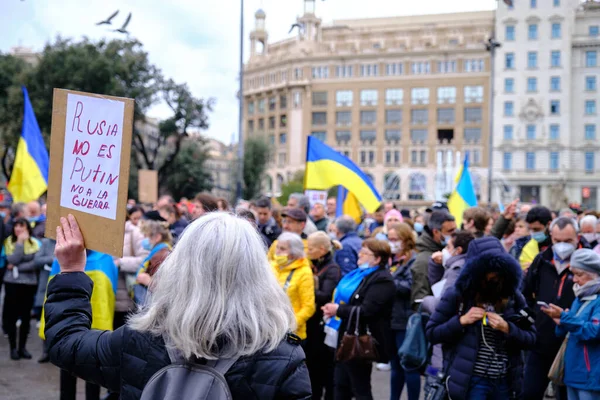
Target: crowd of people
x,y
306,303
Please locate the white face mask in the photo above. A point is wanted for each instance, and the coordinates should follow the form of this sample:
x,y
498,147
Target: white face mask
x,y
590,237
563,250
396,247
446,255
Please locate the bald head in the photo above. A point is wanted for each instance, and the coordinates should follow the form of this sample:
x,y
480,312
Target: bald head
x,y
33,209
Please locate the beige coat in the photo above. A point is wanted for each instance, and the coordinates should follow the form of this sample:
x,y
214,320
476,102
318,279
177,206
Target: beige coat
x,y
133,255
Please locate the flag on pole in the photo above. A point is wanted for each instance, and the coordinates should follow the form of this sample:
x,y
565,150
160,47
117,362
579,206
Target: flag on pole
x,y
463,197
29,177
347,204
326,168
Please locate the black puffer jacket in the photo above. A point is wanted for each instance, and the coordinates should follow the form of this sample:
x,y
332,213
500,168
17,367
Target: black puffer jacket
x,y
123,361
402,307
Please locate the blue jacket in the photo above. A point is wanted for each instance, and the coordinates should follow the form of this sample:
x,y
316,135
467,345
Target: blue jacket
x,y
582,358
347,257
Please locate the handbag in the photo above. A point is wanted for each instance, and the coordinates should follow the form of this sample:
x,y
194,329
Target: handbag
x,y
355,346
414,351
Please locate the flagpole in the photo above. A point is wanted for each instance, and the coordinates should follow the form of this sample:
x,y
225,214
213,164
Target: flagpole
x,y
240,149
491,46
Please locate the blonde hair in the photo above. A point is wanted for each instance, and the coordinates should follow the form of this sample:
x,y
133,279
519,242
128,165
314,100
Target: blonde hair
x,y
150,228
407,236
320,238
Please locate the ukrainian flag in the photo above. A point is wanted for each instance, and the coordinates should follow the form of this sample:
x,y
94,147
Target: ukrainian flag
x,y
463,197
326,168
102,270
347,204
29,178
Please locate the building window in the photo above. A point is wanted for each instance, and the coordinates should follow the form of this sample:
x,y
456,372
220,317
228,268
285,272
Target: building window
x,y
555,83
282,138
530,161
554,132
343,118
507,162
509,61
297,73
473,115
445,116
476,161
393,158
261,105
472,135
283,101
418,135
371,157
530,132
282,159
590,132
414,157
508,132
556,30
393,117
297,99
554,107
593,30
509,85
475,65
591,58
532,60
368,97
272,140
419,116
509,33
532,85
250,126
446,94
251,108
363,157
284,76
271,123
343,137
589,162
473,94
368,117
509,109
590,83
319,99
392,136
420,96
590,107
272,103
394,97
420,67
343,98
556,3
555,59
344,71
532,32
261,124
533,3
554,161
417,187
319,118
369,70
283,121
446,67
368,136
321,72
394,69
322,136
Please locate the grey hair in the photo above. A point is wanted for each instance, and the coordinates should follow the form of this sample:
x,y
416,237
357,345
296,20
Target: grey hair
x,y
563,222
588,220
437,219
215,296
345,224
303,201
295,242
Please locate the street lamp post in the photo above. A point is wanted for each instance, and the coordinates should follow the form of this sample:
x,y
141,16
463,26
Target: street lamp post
x,y
491,46
240,150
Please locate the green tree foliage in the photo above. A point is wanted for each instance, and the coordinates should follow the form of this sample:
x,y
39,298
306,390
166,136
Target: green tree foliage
x,y
296,185
187,174
256,156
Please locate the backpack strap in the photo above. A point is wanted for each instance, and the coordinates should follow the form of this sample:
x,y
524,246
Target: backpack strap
x,y
222,365
288,280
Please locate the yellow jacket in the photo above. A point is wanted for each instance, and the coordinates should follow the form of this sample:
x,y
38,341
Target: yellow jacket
x,y
301,291
528,254
271,253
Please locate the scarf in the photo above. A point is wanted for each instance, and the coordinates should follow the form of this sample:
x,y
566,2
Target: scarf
x,y
154,250
346,288
589,289
30,246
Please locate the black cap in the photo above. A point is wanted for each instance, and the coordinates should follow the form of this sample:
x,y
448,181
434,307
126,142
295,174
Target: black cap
x,y
405,213
295,214
153,216
437,206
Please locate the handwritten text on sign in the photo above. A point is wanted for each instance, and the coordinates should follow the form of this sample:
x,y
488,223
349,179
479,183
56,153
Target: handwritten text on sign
x,y
92,155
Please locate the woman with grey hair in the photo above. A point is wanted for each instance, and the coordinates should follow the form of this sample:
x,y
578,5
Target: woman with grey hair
x,y
294,274
214,297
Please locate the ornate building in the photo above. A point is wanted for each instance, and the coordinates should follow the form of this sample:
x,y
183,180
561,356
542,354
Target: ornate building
x,y
403,97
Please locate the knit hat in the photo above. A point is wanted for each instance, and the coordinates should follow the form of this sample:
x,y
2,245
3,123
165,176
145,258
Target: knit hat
x,y
393,213
586,260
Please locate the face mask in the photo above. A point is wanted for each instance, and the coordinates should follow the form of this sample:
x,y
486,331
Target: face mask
x,y
445,240
332,236
32,219
590,237
364,266
539,236
446,255
146,245
419,227
2,215
563,250
396,247
281,261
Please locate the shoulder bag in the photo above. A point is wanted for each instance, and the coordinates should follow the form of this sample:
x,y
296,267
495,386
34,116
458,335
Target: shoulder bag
x,y
355,346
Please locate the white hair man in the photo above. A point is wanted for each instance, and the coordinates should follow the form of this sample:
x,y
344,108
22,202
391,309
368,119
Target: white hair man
x,y
300,201
215,297
588,229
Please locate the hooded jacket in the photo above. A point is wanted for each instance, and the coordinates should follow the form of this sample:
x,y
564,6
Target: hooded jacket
x,y
426,246
301,291
461,343
347,256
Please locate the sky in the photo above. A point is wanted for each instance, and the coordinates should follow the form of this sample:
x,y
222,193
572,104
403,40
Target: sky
x,y
193,41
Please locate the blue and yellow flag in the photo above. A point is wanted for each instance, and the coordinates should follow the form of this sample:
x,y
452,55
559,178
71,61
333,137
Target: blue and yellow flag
x,y
29,178
326,168
347,204
102,270
463,197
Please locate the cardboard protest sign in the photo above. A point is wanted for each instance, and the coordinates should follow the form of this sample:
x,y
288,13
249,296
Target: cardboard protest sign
x,y
316,196
90,150
147,186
